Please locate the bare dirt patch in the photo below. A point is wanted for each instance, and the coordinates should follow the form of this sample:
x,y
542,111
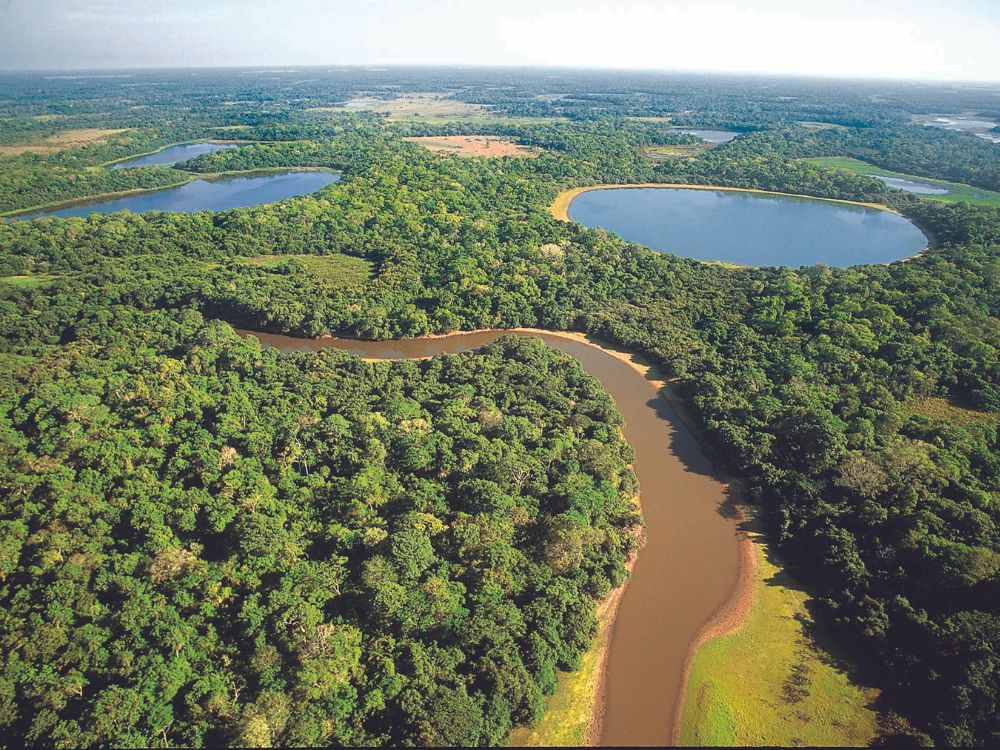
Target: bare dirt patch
x,y
475,145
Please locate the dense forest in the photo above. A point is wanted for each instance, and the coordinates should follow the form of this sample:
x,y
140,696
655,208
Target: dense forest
x,y
247,547
204,542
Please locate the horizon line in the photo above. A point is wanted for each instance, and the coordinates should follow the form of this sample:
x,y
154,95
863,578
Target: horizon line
x,y
514,67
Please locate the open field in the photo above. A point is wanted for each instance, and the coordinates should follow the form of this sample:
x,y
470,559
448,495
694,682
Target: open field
x,y
678,151
936,407
63,140
810,125
474,145
27,281
416,105
335,270
959,192
769,682
568,712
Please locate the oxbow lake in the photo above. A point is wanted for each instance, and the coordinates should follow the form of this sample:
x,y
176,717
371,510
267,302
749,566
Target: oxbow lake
x,y
911,186
173,155
750,229
206,195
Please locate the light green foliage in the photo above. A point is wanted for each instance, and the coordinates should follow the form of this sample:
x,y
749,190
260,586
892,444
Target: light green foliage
x,y
957,191
134,435
335,270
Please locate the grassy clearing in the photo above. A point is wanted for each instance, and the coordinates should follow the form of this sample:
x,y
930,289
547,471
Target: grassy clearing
x,y
567,712
335,270
59,141
959,192
474,145
936,407
679,151
418,104
770,682
810,125
28,281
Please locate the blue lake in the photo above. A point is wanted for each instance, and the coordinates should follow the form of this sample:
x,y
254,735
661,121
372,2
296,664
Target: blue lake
x,y
749,229
710,135
911,186
173,155
206,195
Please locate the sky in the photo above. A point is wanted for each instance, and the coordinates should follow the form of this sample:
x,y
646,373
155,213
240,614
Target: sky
x,y
931,39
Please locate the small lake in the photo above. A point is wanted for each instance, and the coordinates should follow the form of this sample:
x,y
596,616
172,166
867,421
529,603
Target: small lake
x,y
206,195
173,155
709,135
968,123
750,229
911,186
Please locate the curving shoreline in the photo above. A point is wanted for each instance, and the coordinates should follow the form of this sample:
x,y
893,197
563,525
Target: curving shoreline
x,y
615,718
186,179
560,206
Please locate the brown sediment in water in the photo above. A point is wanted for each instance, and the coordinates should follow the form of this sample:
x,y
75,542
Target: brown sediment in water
x,y
690,582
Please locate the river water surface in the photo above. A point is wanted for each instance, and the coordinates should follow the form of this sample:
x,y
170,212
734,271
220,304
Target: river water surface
x,y
690,565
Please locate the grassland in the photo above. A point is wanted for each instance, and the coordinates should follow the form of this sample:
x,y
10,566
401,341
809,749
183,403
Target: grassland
x,y
430,108
936,407
770,683
958,191
678,151
419,105
59,141
568,713
474,145
336,270
28,281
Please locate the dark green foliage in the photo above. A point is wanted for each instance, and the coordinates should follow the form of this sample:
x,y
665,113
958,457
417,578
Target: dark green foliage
x,y
803,380
208,542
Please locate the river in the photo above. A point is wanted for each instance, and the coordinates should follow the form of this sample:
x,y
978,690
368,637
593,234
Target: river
x,y
691,564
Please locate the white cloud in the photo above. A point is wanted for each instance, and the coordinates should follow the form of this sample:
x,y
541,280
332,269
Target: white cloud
x,y
885,38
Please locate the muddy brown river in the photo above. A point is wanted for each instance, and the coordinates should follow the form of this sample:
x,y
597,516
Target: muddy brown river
x,y
689,568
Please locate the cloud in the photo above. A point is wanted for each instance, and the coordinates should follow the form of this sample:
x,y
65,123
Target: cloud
x,y
887,38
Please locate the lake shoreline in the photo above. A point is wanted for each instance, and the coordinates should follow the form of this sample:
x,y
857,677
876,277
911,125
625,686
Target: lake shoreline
x,y
559,209
187,179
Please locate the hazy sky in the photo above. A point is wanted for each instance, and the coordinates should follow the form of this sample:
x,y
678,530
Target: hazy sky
x,y
946,39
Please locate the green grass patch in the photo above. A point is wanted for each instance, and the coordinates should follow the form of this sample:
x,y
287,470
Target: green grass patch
x,y
676,151
567,711
28,281
959,191
771,683
336,270
937,407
